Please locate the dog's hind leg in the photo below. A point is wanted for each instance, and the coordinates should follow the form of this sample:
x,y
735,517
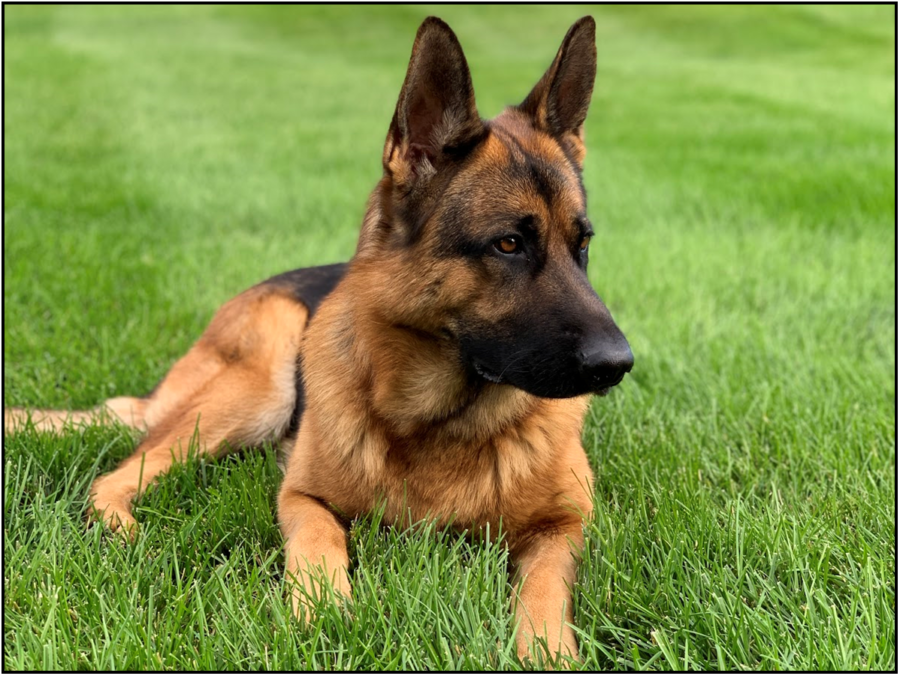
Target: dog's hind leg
x,y
188,374
238,408
235,388
126,410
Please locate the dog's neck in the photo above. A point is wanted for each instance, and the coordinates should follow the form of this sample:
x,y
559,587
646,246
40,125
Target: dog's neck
x,y
410,375
415,380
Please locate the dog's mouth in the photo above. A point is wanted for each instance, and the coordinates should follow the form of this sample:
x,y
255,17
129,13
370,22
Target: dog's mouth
x,y
603,391
486,373
496,378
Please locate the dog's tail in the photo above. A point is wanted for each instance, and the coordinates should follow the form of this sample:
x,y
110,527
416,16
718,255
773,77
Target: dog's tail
x,y
124,410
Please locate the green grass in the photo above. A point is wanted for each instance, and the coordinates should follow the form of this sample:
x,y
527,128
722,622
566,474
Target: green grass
x,y
160,159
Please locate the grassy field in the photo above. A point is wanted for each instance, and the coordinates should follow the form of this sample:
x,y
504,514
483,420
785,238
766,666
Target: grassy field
x,y
741,176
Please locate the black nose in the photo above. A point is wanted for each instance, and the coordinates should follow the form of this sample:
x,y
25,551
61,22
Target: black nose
x,y
605,361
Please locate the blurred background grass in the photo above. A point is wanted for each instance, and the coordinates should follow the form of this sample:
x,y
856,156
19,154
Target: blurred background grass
x,y
741,180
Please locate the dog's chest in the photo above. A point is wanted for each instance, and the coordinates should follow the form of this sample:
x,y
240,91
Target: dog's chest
x,y
472,484
472,478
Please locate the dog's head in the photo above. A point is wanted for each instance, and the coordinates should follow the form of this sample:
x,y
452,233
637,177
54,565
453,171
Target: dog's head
x,y
483,224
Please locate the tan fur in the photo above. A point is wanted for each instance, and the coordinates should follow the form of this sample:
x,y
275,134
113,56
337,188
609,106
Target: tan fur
x,y
388,419
392,417
234,388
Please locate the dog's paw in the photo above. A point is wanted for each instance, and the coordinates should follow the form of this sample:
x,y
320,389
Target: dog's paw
x,y
112,508
536,653
306,598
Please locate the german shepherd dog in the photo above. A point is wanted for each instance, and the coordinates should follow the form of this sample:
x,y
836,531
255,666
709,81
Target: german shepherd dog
x,y
443,373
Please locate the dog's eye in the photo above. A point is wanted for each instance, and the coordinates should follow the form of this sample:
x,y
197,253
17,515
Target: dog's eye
x,y
584,243
508,245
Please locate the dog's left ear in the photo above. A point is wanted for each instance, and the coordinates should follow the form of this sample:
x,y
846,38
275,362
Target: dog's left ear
x,y
559,102
436,118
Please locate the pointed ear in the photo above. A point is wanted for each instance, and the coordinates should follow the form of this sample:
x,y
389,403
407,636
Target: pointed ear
x,y
559,102
436,118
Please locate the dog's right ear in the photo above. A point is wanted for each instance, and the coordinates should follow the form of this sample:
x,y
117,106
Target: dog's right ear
x,y
559,102
436,118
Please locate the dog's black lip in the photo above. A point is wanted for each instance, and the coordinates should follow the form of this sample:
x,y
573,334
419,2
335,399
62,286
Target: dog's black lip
x,y
493,377
486,373
606,387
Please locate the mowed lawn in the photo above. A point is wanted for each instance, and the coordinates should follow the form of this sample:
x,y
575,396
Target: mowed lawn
x,y
158,160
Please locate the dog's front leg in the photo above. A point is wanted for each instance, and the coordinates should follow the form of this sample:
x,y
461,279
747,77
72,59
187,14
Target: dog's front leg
x,y
315,549
546,567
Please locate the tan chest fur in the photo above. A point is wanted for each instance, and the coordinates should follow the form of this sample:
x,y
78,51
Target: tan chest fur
x,y
427,446
471,483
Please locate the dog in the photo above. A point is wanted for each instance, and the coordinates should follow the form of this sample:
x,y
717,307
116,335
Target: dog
x,y
443,373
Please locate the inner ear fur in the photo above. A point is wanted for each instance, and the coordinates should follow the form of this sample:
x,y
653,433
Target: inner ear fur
x,y
436,118
559,102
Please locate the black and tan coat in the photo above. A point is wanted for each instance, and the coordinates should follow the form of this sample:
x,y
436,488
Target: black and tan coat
x,y
444,372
